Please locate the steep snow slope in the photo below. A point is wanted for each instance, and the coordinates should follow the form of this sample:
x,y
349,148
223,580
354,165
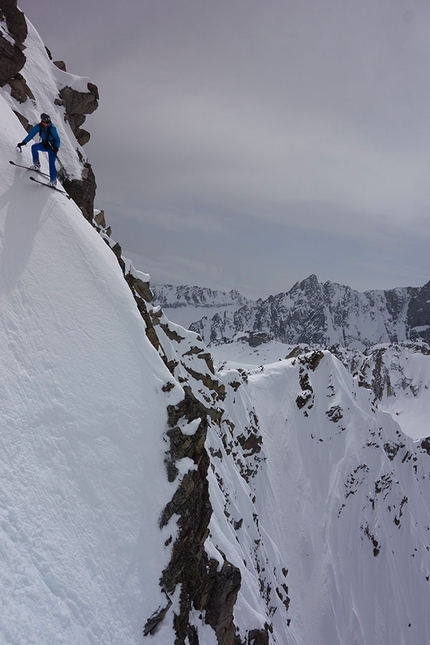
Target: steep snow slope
x,y
82,417
335,522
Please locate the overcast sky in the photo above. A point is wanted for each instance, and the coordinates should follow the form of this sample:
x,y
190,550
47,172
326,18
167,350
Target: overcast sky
x,y
247,144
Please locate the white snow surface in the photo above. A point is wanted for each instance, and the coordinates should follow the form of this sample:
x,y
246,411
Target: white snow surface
x,y
82,418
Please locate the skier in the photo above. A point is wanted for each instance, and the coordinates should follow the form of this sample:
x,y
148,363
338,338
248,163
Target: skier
x,y
50,142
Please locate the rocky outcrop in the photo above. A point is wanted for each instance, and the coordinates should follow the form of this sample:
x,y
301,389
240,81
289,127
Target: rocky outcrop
x,y
15,20
83,191
77,105
12,58
205,587
19,89
419,314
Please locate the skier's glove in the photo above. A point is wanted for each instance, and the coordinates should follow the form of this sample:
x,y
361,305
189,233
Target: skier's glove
x,y
19,145
55,151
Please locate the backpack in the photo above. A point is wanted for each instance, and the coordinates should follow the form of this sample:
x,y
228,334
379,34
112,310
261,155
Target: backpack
x,y
48,145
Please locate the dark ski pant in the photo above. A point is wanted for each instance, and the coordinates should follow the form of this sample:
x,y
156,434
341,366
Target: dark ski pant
x,y
39,147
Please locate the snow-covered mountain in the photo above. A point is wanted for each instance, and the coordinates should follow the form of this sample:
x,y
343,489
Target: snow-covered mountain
x,y
319,314
192,303
169,296
147,495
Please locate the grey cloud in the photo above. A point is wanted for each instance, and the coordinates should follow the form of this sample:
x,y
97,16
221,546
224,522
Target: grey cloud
x,y
310,119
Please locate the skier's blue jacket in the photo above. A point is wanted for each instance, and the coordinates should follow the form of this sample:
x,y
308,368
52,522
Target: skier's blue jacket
x,y
48,135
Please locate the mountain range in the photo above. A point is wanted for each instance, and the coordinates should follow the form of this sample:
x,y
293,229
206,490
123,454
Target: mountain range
x,y
310,312
272,488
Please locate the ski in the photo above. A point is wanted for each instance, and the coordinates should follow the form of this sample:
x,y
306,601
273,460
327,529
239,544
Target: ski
x,y
42,183
18,165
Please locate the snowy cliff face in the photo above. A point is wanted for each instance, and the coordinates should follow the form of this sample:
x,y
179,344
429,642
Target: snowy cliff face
x,y
325,314
147,496
334,518
318,500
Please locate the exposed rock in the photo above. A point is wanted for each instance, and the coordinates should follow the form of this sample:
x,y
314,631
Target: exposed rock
x,y
100,220
258,637
83,191
425,445
255,338
60,64
142,288
142,294
211,383
80,102
77,105
419,313
326,314
11,61
15,20
12,58
23,120
19,89
219,601
156,619
204,587
172,333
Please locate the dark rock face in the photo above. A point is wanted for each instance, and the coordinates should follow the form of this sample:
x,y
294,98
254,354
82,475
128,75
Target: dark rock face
x,y
83,191
203,586
12,58
77,106
15,20
419,313
19,89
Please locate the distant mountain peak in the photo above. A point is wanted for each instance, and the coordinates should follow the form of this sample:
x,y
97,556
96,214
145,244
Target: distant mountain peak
x,y
311,312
